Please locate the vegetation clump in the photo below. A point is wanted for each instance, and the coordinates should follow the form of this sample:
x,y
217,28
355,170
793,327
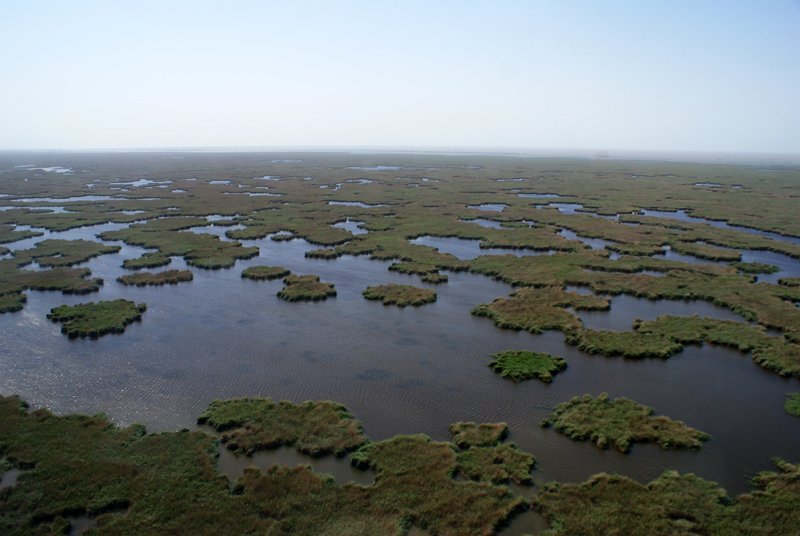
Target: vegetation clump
x,y
259,273
519,365
471,434
306,288
756,267
60,253
328,254
152,259
434,279
400,295
94,319
167,277
792,405
620,422
252,424
13,301
673,504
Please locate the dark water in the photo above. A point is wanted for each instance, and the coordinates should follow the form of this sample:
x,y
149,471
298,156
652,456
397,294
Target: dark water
x,y
412,370
594,243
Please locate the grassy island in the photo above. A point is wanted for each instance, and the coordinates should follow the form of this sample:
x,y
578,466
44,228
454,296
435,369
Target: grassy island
x,y
306,288
94,319
755,267
792,405
167,277
327,254
260,273
519,365
620,422
252,424
400,295
147,260
434,279
13,301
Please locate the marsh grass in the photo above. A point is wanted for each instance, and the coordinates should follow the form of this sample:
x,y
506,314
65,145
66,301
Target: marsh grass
x,y
620,422
520,365
472,434
315,428
147,260
400,295
13,301
265,272
755,267
305,288
94,319
673,504
167,277
792,405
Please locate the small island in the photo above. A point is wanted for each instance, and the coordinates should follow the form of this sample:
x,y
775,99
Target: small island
x,y
153,259
482,457
261,273
12,301
400,295
167,277
755,267
95,319
792,405
520,365
306,288
620,422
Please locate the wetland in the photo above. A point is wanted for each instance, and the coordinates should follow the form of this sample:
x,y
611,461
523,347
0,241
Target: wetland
x,y
640,267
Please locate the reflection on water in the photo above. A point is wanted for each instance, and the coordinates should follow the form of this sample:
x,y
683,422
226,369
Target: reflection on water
x,y
412,370
355,227
594,243
466,249
489,207
625,309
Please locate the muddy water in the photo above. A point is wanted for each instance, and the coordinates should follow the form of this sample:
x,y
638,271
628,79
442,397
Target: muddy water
x,y
412,370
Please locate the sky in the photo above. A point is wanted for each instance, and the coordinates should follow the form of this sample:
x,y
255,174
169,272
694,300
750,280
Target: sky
x,y
676,75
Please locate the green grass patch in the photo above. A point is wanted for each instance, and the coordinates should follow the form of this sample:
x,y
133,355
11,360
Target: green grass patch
x,y
13,301
265,272
167,277
792,405
400,295
252,424
306,288
672,504
147,260
520,365
94,319
756,267
471,434
620,422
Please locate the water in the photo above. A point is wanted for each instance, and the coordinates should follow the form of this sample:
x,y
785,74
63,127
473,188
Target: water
x,y
594,243
353,226
9,478
412,370
355,204
489,207
626,309
466,249
491,224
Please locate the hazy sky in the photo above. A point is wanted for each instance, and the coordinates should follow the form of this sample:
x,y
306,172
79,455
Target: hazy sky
x,y
669,75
